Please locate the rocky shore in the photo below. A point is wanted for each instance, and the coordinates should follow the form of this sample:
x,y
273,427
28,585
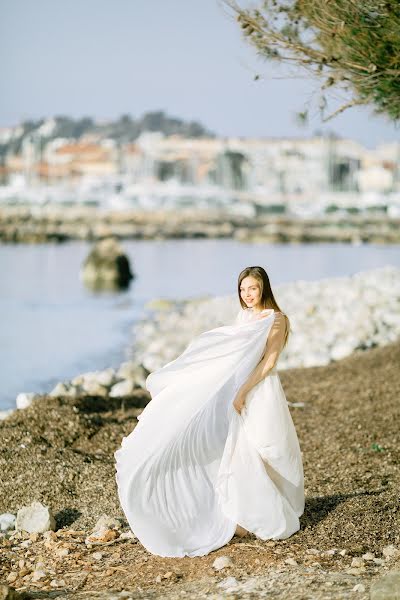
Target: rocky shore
x,y
59,452
330,319
39,224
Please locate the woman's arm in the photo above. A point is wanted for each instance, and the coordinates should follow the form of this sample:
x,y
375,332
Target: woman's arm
x,y
268,361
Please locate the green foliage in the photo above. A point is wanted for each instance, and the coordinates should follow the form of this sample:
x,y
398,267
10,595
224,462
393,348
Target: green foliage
x,y
377,447
353,45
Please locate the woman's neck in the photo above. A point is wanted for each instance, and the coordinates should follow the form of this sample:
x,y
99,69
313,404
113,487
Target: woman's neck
x,y
260,309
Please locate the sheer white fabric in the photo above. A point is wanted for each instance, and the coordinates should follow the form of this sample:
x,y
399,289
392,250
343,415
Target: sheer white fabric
x,y
193,467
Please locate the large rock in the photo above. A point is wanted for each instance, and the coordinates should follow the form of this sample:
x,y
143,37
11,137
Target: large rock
x,y
106,267
35,518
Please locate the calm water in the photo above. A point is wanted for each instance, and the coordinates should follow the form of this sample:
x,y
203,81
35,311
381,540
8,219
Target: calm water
x,y
52,328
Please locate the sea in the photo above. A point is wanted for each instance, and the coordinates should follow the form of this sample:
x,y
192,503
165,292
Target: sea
x,y
53,328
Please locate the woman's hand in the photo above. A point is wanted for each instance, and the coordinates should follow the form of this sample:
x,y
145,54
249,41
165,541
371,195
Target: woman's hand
x,y
239,401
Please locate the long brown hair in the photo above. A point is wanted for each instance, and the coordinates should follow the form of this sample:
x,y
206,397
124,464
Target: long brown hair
x,y
267,299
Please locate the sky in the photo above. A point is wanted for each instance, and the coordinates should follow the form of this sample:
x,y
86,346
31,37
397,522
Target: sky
x,y
105,58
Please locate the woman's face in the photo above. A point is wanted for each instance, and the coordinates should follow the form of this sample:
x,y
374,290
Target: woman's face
x,y
250,291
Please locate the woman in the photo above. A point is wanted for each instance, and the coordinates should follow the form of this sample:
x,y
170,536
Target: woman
x,y
215,452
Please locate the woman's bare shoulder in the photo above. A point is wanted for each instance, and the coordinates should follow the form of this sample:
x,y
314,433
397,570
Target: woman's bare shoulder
x,y
281,314
281,319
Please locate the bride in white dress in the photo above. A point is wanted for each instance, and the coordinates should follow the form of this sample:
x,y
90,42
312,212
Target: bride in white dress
x,y
215,452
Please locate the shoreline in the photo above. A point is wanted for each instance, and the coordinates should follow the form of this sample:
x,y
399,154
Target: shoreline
x,y
358,312
44,224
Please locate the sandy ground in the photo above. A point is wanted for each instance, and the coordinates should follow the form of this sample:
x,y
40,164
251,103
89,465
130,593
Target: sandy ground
x,y
60,452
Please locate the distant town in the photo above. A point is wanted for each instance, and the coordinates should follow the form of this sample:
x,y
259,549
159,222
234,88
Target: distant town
x,y
164,163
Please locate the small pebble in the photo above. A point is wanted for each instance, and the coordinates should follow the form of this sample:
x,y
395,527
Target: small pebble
x,y
390,551
57,583
355,570
37,575
313,551
222,562
228,584
127,535
357,562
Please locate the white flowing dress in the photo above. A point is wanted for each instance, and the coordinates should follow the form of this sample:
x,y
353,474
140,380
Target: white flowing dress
x,y
193,468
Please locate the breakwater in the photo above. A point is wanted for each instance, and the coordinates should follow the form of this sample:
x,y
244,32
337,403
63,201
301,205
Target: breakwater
x,y
52,223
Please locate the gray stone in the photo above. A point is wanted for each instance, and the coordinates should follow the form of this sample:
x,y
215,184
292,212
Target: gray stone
x,y
390,551
93,388
59,390
25,399
106,377
107,522
368,556
38,575
127,535
35,518
133,371
123,388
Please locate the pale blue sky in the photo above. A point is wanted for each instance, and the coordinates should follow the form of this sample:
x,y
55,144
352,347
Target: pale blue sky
x,y
102,58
